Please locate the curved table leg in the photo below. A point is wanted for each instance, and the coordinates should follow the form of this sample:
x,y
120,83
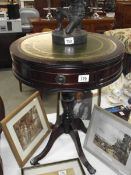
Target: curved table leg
x,y
74,135
78,124
54,135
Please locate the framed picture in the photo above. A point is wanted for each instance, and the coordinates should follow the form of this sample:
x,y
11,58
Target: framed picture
x,y
120,110
109,139
26,127
83,105
68,167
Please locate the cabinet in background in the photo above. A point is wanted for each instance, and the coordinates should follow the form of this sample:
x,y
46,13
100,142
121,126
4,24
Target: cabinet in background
x,y
98,25
123,14
88,24
5,41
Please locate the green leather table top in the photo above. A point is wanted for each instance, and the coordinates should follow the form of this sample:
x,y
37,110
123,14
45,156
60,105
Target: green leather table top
x,y
39,48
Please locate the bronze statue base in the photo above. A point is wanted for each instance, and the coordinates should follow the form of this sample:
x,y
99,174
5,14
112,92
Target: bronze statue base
x,y
76,37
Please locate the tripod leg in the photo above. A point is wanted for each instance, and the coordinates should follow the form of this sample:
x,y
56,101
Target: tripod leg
x,y
54,135
79,125
76,139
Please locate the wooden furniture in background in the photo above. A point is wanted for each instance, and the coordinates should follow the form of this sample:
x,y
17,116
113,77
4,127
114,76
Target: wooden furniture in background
x,y
5,40
2,115
2,111
88,24
40,4
1,166
98,25
123,14
3,4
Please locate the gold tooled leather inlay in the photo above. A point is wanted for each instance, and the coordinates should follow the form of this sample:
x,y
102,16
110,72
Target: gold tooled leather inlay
x,y
41,47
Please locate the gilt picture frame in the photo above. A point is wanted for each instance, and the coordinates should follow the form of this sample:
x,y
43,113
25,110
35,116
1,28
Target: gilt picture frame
x,y
66,167
109,139
26,127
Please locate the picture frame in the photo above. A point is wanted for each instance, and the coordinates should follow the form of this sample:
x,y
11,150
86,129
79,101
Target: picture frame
x,y
120,110
26,127
109,139
83,105
67,167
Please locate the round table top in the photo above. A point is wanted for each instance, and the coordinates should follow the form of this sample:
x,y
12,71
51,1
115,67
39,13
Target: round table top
x,y
38,62
40,48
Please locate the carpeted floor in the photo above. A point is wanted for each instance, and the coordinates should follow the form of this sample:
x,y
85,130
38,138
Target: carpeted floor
x,y
12,97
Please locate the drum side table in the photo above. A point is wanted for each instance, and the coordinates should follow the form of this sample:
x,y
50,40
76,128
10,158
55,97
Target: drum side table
x,y
38,62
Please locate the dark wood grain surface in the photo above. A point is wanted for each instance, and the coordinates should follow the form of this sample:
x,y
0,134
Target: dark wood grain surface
x,y
40,63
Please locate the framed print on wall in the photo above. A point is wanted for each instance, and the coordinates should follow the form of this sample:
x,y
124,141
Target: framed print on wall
x,y
26,127
109,139
67,167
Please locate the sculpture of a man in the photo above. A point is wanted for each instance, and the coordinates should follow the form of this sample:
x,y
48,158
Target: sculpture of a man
x,y
75,13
